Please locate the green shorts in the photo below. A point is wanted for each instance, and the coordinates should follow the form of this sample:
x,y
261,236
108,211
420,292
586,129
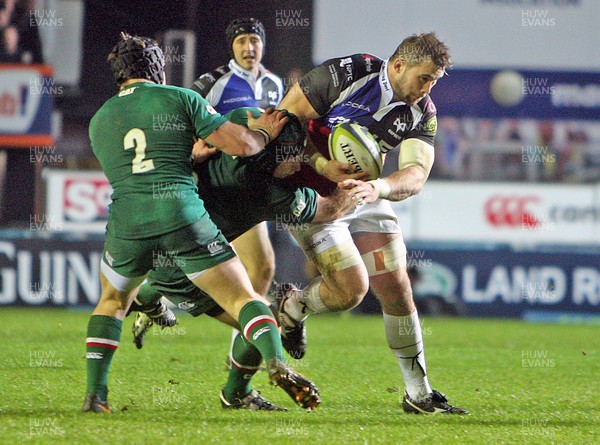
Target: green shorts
x,y
174,285
192,249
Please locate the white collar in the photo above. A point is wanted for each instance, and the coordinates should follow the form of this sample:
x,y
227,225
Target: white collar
x,y
387,92
236,68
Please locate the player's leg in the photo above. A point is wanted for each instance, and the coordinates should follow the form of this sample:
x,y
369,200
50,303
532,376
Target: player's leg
x,y
210,263
343,282
255,251
384,255
149,310
245,358
104,327
229,285
342,285
245,361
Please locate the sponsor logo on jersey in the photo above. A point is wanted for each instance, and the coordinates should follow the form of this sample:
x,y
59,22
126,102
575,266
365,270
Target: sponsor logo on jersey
x,y
395,135
260,332
357,105
400,124
316,244
400,127
334,76
349,75
215,248
430,127
127,91
109,259
385,83
333,121
237,99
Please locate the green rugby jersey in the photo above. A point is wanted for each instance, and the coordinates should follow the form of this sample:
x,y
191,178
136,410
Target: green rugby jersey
x,y
238,194
143,138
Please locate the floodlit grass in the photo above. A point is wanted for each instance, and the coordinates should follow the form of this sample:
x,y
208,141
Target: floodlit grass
x,y
523,384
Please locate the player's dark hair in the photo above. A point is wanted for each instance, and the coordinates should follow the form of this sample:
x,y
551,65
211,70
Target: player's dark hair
x,y
135,57
244,26
420,48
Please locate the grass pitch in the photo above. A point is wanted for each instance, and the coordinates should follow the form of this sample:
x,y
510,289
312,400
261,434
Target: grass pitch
x,y
523,384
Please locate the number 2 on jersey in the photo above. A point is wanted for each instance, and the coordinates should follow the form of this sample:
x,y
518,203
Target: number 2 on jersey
x,y
136,138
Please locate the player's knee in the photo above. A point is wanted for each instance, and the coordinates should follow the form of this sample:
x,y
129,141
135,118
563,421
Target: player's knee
x,y
112,301
267,270
349,292
261,275
350,299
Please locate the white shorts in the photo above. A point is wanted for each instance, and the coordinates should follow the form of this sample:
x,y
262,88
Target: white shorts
x,y
375,217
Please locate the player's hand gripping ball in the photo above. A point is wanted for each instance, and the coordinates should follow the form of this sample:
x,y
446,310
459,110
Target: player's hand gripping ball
x,y
352,143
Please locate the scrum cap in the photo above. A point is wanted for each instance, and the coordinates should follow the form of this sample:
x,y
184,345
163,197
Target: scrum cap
x,y
137,57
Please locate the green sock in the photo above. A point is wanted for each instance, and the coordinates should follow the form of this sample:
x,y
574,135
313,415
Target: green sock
x,y
147,297
103,335
245,360
260,329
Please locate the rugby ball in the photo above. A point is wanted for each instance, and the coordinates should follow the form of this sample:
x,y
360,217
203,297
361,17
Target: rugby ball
x,y
352,143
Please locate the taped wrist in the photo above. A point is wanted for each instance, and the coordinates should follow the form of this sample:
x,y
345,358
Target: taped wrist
x,y
265,133
382,188
318,162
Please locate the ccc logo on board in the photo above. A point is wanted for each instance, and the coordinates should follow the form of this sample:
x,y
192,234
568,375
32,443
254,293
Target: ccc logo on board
x,y
511,211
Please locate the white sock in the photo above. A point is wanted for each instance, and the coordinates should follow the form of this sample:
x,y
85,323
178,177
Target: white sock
x,y
406,342
304,302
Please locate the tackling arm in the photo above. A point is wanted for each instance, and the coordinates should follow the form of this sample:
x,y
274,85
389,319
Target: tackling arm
x,y
295,101
334,206
238,140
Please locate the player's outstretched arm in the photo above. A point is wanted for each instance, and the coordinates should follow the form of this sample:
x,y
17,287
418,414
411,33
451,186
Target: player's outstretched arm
x,y
295,101
414,163
334,206
396,187
238,140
